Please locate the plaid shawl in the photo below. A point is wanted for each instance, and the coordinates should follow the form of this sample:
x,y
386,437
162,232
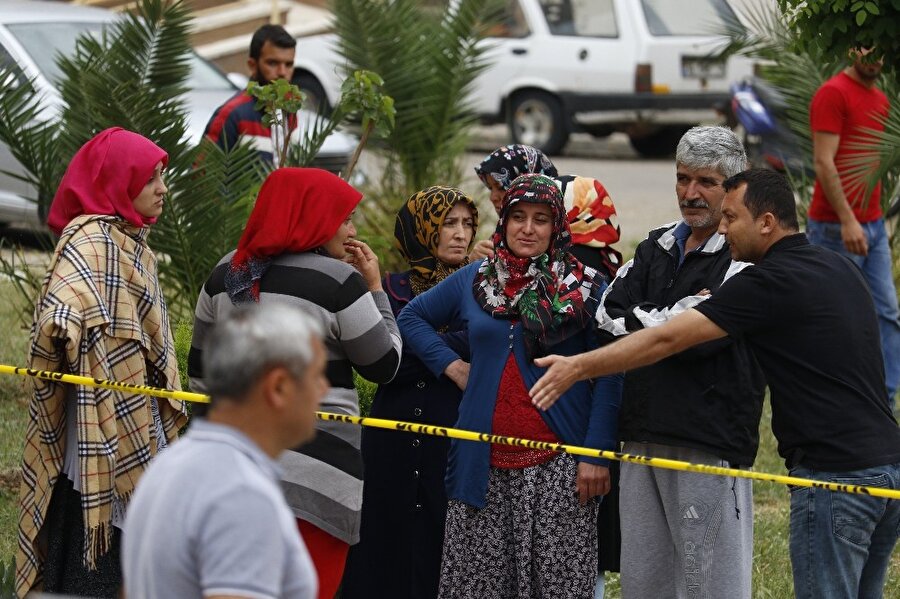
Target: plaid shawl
x,y
100,314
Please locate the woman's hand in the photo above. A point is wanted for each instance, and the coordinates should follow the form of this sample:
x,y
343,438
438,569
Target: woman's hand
x,y
365,261
458,372
592,480
482,249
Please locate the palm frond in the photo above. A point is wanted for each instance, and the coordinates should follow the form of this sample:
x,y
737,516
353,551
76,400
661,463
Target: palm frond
x,y
30,137
429,77
204,218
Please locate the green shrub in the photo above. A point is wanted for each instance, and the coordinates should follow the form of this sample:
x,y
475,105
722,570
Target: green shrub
x,y
366,390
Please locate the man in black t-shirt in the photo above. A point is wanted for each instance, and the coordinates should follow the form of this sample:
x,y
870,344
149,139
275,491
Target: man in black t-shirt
x,y
810,320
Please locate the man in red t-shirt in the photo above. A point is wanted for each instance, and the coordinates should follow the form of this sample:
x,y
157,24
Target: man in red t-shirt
x,y
841,216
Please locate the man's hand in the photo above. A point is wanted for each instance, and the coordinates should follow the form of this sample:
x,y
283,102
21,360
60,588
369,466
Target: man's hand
x,y
482,249
592,481
562,373
458,372
854,237
365,261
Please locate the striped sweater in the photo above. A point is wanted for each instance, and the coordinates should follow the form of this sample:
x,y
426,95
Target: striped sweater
x,y
322,480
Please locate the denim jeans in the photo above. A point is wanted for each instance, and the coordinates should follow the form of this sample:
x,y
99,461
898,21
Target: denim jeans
x,y
876,268
840,543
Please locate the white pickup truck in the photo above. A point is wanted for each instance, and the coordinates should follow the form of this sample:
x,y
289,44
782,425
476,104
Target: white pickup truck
x,y
598,66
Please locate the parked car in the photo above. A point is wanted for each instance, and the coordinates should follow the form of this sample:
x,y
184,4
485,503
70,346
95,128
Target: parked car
x,y
639,66
32,34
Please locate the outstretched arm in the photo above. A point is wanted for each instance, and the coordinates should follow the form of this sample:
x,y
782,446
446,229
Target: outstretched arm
x,y
637,349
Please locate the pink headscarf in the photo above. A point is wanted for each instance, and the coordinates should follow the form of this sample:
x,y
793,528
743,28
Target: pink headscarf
x,y
105,176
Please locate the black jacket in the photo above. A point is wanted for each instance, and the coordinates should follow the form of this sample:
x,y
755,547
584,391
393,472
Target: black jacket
x,y
708,397
404,498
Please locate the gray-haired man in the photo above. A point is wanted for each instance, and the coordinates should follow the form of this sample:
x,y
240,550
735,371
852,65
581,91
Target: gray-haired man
x,y
209,518
683,534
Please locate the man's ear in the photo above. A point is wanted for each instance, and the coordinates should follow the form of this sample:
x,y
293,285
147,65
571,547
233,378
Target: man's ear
x,y
768,223
253,67
276,385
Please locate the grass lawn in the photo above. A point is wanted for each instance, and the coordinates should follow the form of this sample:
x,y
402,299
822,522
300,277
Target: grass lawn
x,y
772,569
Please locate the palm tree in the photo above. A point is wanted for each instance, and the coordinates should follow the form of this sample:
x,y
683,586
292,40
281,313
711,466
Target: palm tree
x,y
428,58
134,76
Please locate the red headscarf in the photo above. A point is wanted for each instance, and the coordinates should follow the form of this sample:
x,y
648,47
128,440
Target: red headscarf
x,y
105,176
297,209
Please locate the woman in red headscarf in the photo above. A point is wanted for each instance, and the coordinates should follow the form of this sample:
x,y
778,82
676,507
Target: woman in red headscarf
x,y
299,247
101,314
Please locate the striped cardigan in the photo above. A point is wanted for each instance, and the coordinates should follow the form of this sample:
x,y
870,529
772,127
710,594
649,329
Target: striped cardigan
x,y
322,480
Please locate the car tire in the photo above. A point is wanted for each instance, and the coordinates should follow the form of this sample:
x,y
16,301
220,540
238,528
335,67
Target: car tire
x,y
657,143
536,118
316,100
599,131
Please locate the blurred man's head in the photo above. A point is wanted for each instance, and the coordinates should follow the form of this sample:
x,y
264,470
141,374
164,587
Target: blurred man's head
x,y
866,65
272,52
268,364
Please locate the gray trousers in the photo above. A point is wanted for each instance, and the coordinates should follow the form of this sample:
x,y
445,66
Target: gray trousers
x,y
684,535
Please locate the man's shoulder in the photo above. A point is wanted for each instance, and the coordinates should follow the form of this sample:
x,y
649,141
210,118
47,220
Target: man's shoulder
x,y
660,237
240,108
239,102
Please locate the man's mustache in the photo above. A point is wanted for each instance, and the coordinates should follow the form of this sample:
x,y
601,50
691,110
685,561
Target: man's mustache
x,y
698,203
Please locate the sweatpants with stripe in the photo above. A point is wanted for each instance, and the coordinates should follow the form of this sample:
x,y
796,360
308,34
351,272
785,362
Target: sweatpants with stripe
x,y
685,535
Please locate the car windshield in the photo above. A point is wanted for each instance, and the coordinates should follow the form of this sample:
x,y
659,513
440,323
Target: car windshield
x,y
687,17
44,41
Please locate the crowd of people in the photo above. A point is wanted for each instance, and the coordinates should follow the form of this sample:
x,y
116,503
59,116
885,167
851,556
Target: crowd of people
x,y
539,332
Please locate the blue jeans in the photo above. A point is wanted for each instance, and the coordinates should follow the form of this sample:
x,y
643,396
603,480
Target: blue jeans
x,y
840,543
877,270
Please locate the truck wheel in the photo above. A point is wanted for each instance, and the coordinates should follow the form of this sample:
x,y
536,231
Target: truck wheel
x,y
316,100
657,143
598,131
536,119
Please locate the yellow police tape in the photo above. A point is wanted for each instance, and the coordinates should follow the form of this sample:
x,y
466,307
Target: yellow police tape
x,y
454,433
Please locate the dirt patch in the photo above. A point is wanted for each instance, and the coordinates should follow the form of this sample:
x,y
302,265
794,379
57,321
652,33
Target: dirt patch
x,y
10,480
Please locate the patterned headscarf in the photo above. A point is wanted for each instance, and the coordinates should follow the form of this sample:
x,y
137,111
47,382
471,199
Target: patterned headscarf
x,y
550,293
508,162
417,233
592,217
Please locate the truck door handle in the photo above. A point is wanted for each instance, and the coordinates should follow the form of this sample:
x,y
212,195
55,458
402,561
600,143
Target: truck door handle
x,y
520,51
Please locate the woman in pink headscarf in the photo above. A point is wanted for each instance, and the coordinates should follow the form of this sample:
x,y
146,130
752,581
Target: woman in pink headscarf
x,y
101,314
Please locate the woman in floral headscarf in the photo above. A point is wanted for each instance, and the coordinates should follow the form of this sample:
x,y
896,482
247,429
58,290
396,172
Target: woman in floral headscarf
x,y
100,314
404,500
503,165
520,522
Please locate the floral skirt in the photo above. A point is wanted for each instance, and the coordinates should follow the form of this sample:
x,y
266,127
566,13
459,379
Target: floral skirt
x,y
532,538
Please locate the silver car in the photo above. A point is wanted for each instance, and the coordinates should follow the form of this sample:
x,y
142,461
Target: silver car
x,y
32,34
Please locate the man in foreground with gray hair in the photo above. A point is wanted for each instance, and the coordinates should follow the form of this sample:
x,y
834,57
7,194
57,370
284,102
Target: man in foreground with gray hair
x,y
685,534
209,519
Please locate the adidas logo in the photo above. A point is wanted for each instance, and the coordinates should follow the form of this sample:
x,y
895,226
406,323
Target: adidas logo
x,y
691,513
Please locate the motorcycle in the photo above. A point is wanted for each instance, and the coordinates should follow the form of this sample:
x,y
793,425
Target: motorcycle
x,y
760,109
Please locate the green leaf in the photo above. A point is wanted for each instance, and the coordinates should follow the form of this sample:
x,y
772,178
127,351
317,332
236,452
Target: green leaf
x,y
856,6
861,17
872,8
